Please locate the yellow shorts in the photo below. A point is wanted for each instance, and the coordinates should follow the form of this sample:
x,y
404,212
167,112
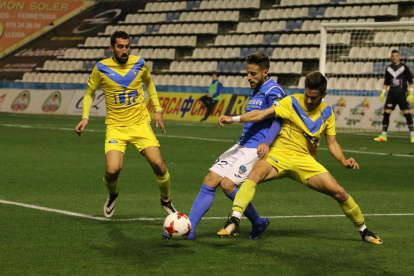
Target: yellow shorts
x,y
140,136
295,165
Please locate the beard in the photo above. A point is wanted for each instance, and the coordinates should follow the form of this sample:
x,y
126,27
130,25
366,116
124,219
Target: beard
x,y
120,60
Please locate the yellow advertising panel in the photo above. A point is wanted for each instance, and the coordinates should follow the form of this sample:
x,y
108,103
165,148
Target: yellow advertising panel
x,y
188,106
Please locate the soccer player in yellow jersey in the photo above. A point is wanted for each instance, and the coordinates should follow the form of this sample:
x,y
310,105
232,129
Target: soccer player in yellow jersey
x,y
127,119
292,154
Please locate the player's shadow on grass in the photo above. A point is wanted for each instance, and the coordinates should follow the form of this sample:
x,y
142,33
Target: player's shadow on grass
x,y
140,249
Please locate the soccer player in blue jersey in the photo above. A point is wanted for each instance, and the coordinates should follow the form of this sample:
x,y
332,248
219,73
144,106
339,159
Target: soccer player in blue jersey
x,y
233,166
127,119
305,118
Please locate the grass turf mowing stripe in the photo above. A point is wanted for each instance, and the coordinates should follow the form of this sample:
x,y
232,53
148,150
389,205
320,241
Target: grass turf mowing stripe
x,y
206,139
68,213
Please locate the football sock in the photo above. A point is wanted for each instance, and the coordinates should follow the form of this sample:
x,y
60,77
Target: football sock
x,y
250,212
111,186
353,212
201,205
409,119
237,215
164,185
244,196
384,133
385,122
362,228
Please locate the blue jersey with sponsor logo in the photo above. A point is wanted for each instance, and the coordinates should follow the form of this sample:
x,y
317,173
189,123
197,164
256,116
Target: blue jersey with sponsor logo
x,y
254,133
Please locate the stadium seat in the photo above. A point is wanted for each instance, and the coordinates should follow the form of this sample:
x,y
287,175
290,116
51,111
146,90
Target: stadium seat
x,y
316,25
408,37
329,67
337,69
374,10
351,84
354,52
329,12
331,83
273,26
348,68
297,67
277,53
294,53
285,52
371,83
288,67
300,39
303,53
309,39
383,52
255,27
338,12
341,83
306,25
367,68
267,38
264,27
357,68
361,84
278,67
313,53
237,67
258,39
347,12
363,52
239,81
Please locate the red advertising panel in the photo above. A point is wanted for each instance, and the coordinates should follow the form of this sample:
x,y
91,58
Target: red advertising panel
x,y
20,19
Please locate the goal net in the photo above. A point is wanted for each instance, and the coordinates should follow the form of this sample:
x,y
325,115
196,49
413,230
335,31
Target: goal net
x,y
354,57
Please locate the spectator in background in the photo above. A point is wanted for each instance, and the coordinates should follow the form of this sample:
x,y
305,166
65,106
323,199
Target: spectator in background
x,y
212,95
397,77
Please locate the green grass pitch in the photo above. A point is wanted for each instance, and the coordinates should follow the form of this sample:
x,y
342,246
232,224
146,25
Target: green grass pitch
x,y
43,163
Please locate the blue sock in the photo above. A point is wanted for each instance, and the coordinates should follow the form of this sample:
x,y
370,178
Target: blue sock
x,y
250,212
201,205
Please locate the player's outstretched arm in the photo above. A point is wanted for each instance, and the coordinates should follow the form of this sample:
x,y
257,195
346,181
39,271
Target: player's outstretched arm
x,y
81,126
336,150
251,117
159,121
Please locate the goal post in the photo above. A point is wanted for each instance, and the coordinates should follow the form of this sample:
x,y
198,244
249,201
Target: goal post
x,y
354,57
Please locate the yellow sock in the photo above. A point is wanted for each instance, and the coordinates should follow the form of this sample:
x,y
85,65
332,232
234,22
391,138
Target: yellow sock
x,y
353,212
112,186
164,184
244,196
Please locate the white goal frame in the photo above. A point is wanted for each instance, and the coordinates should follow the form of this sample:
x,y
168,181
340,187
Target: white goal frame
x,y
373,25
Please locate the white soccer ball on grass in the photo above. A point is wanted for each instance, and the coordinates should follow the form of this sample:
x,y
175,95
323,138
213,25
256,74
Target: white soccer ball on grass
x,y
177,226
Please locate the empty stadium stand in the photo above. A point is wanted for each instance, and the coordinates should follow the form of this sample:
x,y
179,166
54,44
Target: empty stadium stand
x,y
183,42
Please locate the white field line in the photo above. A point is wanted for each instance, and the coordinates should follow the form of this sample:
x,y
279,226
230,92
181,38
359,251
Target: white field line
x,y
205,139
73,214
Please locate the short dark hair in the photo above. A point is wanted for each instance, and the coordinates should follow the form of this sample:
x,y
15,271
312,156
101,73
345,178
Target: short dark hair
x,y
259,59
316,81
214,73
118,34
395,51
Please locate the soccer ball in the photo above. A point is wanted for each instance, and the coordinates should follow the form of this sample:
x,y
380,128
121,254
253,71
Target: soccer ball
x,y
177,226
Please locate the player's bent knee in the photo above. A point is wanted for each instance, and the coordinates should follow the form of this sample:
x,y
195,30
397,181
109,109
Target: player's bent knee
x,y
227,186
158,167
340,195
256,176
212,180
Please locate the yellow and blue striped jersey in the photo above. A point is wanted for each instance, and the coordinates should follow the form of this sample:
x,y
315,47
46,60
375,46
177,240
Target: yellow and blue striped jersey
x,y
122,87
301,130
